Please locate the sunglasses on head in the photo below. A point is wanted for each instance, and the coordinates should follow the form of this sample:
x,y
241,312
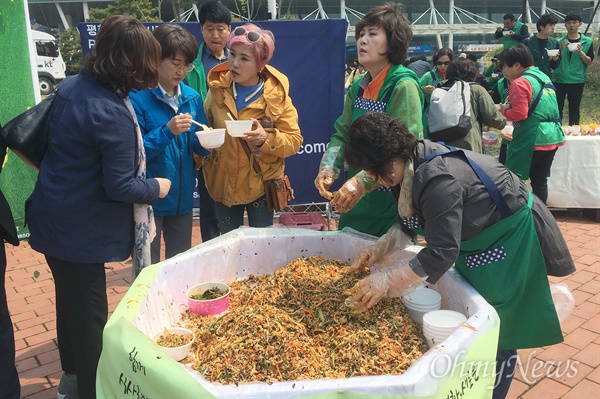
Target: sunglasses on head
x,y
443,63
252,36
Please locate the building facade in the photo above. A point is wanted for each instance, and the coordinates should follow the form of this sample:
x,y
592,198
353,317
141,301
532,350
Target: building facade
x,y
469,24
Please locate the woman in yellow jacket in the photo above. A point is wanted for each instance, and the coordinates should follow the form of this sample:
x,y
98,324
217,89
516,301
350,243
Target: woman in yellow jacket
x,y
248,88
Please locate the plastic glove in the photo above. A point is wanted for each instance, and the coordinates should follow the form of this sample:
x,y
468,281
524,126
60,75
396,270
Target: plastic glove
x,y
394,281
324,179
395,238
348,195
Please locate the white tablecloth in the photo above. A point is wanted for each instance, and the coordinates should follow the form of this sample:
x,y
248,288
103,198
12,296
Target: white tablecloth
x,y
575,175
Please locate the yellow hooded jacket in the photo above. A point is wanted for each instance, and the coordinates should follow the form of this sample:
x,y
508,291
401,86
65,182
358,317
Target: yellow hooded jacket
x,y
230,177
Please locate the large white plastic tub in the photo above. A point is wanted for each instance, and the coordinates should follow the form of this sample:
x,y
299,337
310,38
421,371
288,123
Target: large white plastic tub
x,y
131,365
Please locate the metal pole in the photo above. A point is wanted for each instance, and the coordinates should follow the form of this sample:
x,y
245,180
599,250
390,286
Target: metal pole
x,y
451,22
592,17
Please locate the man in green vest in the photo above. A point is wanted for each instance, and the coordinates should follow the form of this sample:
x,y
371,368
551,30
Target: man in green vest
x,y
215,20
543,43
533,110
513,32
576,53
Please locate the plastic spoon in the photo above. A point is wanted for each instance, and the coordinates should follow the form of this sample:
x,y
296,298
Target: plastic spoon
x,y
202,125
230,116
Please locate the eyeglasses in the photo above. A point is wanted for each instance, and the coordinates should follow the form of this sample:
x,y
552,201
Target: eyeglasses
x,y
443,63
180,68
252,36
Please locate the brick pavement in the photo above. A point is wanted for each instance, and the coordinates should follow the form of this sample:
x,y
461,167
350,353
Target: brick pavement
x,y
570,370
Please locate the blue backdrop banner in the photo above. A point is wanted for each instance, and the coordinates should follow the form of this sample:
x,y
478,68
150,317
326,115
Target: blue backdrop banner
x,y
312,54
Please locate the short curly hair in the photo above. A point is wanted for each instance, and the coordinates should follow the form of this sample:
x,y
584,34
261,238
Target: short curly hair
x,y
390,17
375,140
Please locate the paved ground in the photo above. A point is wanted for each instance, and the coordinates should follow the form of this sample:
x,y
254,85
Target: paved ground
x,y
570,370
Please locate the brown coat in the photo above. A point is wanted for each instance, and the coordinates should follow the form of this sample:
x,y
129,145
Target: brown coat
x,y
230,178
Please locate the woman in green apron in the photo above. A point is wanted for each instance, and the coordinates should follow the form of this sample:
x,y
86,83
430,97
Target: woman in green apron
x,y
475,214
430,80
382,39
534,112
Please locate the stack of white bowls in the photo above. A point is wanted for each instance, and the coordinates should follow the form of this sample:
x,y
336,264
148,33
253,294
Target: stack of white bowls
x,y
439,324
420,302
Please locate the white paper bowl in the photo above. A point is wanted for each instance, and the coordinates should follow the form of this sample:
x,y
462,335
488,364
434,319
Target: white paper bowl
x,y
238,128
211,138
442,321
420,302
573,46
180,352
423,299
552,52
506,32
435,338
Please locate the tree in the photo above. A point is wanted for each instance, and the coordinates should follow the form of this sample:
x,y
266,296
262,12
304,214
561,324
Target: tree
x,y
180,6
248,9
70,48
143,10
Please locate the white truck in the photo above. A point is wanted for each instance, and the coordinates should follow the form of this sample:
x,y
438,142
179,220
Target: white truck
x,y
50,64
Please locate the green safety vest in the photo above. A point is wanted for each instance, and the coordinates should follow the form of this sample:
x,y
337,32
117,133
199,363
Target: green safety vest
x,y
540,56
541,127
572,68
508,40
196,78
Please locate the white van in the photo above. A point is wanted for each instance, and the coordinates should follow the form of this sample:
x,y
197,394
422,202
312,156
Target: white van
x,y
50,65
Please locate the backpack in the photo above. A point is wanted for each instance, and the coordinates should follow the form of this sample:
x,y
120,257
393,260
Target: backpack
x,y
450,112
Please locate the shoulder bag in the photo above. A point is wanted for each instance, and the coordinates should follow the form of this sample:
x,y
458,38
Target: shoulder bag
x,y
27,134
278,192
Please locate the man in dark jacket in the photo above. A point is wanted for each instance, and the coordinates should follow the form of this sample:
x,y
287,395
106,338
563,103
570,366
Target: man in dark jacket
x,y
543,43
215,22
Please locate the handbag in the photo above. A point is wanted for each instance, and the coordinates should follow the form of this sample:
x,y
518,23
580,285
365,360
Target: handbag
x,y
278,192
27,134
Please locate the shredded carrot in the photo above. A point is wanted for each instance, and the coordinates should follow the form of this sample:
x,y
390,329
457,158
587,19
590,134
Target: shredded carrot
x,y
294,325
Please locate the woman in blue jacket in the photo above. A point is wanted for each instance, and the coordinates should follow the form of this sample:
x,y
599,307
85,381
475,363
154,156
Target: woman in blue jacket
x,y
89,205
165,116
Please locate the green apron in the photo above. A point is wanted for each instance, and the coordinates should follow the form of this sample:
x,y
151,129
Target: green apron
x,y
505,264
525,134
377,211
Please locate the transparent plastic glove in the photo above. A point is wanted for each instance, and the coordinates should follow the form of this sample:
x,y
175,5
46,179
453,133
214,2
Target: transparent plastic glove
x,y
367,182
395,238
324,179
348,195
393,281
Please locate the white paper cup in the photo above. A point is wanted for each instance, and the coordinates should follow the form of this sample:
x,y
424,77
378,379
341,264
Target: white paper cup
x,y
573,46
552,52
